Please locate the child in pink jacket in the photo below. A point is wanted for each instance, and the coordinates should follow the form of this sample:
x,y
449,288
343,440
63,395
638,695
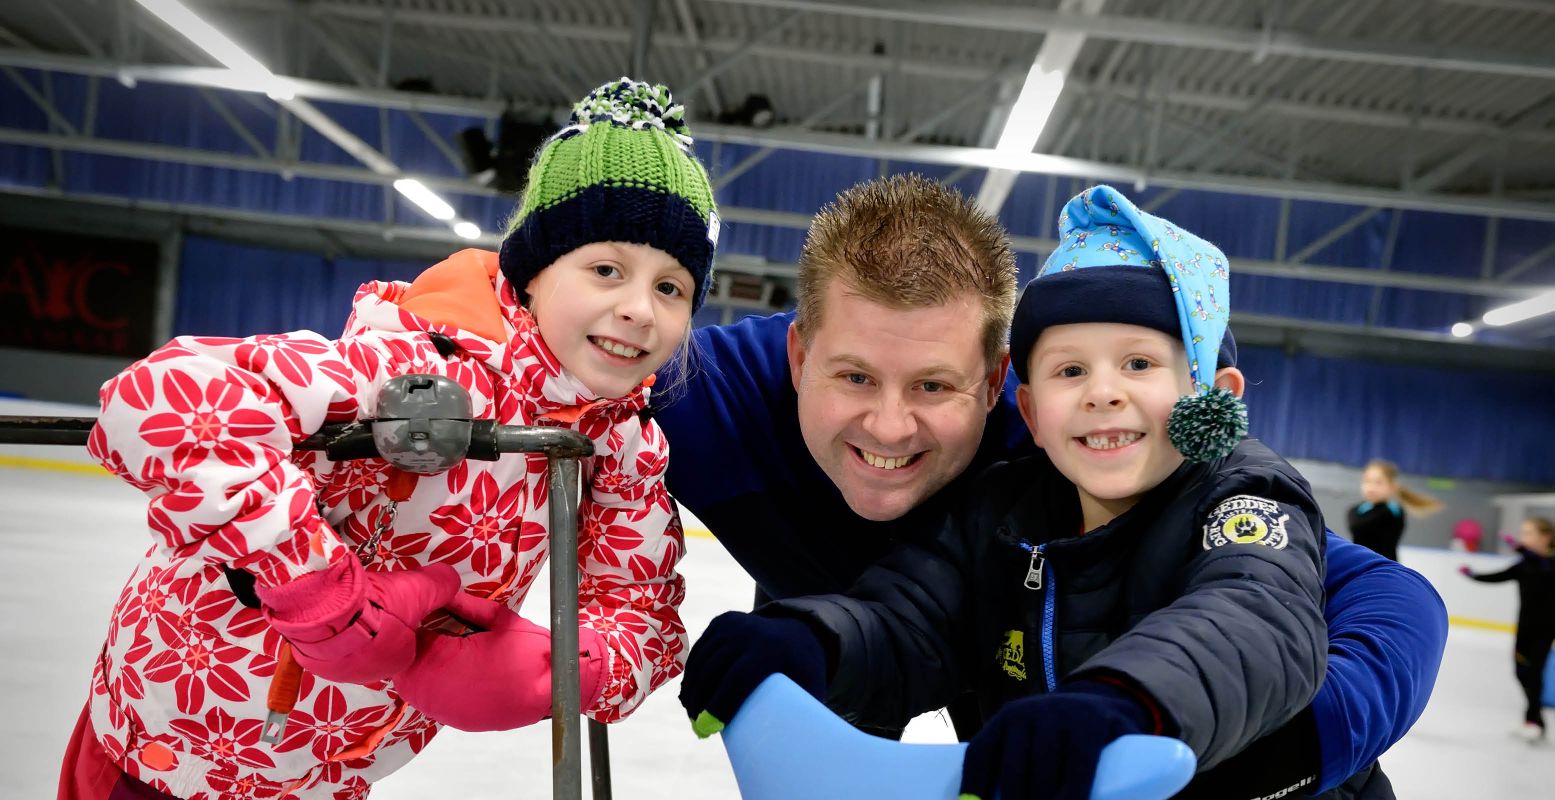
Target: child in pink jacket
x,y
283,585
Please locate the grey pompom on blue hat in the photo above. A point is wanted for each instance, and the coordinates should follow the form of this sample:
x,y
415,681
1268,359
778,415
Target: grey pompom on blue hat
x,y
1207,425
1116,263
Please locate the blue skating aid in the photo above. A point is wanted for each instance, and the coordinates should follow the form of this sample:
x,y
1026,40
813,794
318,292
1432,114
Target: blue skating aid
x,y
784,744
1143,767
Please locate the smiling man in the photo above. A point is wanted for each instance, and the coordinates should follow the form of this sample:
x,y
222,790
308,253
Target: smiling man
x,y
893,384
812,443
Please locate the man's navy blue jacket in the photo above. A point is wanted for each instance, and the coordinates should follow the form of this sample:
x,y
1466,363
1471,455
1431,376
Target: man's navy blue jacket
x,y
739,463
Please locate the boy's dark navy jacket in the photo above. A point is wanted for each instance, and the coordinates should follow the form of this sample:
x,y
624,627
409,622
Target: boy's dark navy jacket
x,y
739,463
1207,594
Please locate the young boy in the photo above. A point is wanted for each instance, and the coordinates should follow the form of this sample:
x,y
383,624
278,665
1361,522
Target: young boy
x,y
1156,573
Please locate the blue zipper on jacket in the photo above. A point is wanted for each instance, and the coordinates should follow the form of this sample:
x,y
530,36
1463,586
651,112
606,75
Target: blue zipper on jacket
x,y
1040,578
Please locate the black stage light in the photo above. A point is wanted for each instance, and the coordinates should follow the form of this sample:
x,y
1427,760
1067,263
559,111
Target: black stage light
x,y
419,84
503,166
755,112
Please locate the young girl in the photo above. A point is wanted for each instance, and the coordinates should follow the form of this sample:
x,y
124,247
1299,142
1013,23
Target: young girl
x,y
1378,521
1535,576
281,581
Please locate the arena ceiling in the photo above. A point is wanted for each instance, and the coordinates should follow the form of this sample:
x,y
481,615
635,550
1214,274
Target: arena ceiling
x,y
1445,105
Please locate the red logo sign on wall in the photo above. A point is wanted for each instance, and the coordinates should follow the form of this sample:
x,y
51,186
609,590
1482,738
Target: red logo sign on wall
x,y
80,294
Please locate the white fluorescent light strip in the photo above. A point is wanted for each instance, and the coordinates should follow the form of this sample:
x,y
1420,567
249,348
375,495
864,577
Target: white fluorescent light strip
x,y
1028,116
207,38
1523,309
418,193
468,230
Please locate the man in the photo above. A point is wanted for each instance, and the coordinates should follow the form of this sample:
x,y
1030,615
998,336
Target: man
x,y
812,442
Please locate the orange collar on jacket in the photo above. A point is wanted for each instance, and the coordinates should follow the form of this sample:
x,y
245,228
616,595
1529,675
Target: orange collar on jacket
x,y
458,292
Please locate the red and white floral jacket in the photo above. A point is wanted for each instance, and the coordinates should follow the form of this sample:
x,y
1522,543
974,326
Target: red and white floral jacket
x,y
205,427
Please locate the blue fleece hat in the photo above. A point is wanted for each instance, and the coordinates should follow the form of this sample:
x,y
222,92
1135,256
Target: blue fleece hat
x,y
1116,263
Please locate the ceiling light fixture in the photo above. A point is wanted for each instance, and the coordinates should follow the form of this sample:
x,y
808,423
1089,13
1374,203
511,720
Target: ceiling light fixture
x,y
250,73
1032,108
417,192
1537,305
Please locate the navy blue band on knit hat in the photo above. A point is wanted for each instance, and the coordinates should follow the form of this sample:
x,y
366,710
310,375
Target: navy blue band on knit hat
x,y
610,213
1123,294
1227,355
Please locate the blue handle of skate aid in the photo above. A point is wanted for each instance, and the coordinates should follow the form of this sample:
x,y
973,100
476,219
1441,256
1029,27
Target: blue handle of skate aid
x,y
785,744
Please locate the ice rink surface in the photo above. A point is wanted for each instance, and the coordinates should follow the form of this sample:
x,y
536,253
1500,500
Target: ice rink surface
x,y
70,539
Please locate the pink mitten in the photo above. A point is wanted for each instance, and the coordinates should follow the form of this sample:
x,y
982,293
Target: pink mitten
x,y
498,678
1511,541
1465,571
349,625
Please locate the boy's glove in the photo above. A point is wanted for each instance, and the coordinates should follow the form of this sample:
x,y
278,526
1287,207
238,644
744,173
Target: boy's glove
x,y
736,653
1047,745
498,678
348,625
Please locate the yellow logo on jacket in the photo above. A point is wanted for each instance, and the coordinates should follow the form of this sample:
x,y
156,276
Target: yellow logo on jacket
x,y
1012,656
1244,520
1245,529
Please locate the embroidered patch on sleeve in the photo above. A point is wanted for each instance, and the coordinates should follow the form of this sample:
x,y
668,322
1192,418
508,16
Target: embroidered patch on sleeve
x,y
1246,519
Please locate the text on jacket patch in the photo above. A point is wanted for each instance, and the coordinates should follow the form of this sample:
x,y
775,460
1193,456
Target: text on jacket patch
x,y
1246,519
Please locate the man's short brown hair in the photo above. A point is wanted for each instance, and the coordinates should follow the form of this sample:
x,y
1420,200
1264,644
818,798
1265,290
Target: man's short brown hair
x,y
908,242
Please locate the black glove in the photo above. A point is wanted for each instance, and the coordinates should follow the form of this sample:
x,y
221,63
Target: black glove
x,y
1046,746
736,653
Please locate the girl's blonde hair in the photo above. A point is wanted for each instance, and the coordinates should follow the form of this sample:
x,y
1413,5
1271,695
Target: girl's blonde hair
x,y
1543,525
1418,503
679,369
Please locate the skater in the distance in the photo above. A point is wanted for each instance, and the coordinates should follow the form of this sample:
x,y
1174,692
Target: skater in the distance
x,y
282,578
1535,576
1377,522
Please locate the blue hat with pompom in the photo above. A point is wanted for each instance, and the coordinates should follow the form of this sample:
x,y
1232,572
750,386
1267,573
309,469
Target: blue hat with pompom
x,y
1116,263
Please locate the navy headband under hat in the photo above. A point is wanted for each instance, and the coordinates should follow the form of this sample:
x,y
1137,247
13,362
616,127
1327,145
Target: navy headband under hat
x,y
1116,263
1140,295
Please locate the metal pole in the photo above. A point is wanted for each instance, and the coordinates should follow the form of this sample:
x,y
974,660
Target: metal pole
x,y
599,758
566,751
642,37
45,430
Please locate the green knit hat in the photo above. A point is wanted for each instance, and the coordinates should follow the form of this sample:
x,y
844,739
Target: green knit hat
x,y
621,171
